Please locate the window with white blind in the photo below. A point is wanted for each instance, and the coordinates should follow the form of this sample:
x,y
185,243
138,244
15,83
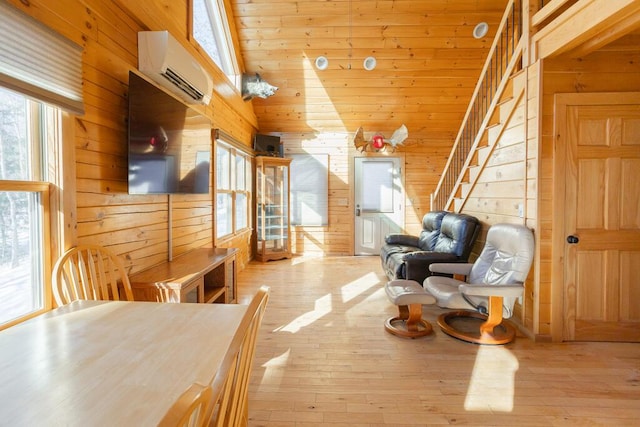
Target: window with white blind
x,y
36,61
309,189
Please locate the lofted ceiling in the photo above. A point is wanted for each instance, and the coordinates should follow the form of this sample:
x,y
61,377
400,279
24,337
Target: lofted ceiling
x,y
428,62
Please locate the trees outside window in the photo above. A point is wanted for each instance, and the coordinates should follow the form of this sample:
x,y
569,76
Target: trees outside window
x,y
24,208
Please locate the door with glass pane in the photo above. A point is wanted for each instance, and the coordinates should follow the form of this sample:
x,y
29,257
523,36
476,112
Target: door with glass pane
x,y
379,202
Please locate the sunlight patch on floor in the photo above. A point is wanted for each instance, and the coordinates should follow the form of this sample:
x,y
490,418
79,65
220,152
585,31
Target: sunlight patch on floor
x,y
491,386
321,308
275,368
357,287
300,259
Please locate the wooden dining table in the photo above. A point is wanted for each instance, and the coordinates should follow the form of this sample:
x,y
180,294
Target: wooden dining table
x,y
110,363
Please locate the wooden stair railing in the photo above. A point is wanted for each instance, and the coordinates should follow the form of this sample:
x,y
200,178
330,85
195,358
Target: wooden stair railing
x,y
505,58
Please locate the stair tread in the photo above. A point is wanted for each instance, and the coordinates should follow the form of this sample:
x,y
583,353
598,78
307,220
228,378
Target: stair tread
x,y
505,100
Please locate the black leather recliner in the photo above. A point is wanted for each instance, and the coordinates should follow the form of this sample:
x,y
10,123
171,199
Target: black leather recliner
x,y
445,237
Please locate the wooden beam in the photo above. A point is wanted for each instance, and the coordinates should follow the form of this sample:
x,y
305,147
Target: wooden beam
x,y
580,23
623,27
547,11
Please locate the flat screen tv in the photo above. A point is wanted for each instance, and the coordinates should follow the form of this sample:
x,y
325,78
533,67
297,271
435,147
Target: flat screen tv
x,y
169,143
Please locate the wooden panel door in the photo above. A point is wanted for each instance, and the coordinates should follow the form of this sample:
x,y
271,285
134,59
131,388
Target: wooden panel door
x,y
602,220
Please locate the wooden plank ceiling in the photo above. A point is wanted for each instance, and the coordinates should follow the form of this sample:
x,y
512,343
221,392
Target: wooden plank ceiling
x,y
427,62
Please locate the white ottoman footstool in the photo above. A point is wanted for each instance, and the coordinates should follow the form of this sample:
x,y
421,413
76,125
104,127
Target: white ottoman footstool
x,y
409,296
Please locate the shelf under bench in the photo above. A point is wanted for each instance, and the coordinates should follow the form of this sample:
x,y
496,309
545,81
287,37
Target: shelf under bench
x,y
204,275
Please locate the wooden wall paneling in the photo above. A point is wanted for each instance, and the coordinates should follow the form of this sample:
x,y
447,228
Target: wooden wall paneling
x,y
336,237
134,226
159,15
66,17
225,117
428,64
192,222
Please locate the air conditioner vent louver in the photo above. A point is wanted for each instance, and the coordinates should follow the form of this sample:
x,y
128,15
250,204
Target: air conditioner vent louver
x,y
183,85
170,65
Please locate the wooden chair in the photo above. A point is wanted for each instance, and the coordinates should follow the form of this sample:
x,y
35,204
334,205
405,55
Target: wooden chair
x,y
190,410
90,272
231,384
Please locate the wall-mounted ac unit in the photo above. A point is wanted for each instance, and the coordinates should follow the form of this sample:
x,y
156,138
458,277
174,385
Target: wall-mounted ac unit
x,y
168,63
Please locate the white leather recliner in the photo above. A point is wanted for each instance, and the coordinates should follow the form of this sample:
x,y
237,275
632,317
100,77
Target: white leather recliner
x,y
493,284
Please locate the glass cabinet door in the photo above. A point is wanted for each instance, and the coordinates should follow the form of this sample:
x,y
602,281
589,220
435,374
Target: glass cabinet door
x,y
272,174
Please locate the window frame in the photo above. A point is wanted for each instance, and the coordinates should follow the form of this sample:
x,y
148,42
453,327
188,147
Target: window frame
x,y
49,127
221,33
235,150
42,190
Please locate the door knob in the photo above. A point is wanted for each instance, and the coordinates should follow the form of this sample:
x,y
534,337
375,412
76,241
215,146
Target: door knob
x,y
572,240
357,210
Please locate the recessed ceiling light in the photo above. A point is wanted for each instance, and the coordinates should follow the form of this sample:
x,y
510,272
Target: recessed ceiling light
x,y
480,30
369,63
322,63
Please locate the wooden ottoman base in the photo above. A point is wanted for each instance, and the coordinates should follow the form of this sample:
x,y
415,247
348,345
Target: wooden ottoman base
x,y
409,296
474,327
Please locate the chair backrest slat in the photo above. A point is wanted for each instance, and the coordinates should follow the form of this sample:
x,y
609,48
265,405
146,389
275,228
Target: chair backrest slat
x,y
231,384
90,272
190,409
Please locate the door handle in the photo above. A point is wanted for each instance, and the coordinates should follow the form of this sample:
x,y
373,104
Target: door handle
x,y
572,240
358,210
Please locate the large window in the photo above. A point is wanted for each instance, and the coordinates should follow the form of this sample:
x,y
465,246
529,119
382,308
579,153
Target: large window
x,y
24,212
211,31
233,190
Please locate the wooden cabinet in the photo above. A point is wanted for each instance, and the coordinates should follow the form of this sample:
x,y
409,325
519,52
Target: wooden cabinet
x,y
203,275
272,210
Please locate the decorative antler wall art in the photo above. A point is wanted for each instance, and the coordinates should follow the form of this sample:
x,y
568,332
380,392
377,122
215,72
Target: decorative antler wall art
x,y
378,142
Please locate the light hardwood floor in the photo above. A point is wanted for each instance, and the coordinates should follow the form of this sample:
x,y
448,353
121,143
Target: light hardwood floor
x,y
323,358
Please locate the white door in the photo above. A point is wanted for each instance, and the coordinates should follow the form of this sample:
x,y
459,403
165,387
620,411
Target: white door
x,y
379,202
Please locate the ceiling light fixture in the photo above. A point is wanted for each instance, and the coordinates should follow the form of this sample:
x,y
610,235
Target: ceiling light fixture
x,y
369,63
480,30
322,63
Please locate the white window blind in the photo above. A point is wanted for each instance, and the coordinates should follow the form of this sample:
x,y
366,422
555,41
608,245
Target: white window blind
x,y
309,189
38,62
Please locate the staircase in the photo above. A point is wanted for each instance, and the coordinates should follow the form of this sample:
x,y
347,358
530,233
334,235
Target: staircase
x,y
502,116
497,94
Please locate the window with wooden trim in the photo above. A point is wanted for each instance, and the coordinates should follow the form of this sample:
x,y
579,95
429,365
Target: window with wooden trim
x,y
233,190
24,208
210,29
